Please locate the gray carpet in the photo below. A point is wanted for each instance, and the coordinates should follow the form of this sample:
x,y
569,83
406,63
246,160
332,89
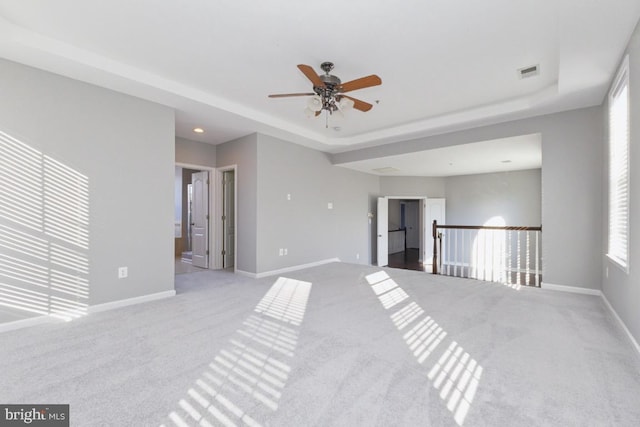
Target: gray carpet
x,y
337,345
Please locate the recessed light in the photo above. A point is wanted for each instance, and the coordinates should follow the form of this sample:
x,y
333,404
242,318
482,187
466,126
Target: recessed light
x,y
198,130
506,161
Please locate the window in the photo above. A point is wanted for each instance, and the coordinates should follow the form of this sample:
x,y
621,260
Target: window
x,y
619,167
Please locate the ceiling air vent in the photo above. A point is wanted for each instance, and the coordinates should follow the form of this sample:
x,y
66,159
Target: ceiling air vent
x,y
531,71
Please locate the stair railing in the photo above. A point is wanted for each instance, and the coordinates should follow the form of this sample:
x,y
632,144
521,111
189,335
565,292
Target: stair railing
x,y
509,254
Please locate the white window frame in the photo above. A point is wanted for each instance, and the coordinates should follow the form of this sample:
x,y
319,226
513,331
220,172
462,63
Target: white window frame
x,y
619,170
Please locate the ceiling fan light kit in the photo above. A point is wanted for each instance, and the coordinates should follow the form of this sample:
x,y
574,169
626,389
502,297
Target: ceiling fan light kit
x,y
345,104
315,103
328,92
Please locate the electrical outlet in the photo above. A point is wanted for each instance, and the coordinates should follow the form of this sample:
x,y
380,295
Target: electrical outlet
x,y
329,205
281,252
285,251
288,196
123,272
357,256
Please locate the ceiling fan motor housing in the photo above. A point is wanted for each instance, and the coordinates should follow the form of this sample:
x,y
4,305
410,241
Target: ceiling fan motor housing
x,y
331,82
328,92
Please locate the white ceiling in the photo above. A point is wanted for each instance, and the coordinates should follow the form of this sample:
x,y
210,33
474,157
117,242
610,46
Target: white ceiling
x,y
444,64
499,155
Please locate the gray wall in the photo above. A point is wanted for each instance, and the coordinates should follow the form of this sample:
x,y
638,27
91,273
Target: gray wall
x,y
304,225
243,152
514,196
572,198
473,199
394,214
622,289
572,144
195,153
416,186
124,146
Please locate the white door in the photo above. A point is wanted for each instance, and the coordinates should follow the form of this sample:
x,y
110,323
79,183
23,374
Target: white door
x,y
228,219
200,219
383,231
435,210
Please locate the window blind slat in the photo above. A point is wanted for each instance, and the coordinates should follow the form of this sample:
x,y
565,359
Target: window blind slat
x,y
619,167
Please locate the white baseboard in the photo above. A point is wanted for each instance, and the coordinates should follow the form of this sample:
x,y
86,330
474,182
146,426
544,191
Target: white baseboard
x,y
25,323
287,269
129,301
19,324
596,292
624,327
573,289
246,274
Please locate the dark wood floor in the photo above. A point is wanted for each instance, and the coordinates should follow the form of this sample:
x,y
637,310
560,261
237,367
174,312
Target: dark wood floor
x,y
407,260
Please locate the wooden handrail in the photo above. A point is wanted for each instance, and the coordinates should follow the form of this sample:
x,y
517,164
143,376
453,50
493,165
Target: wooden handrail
x,y
487,227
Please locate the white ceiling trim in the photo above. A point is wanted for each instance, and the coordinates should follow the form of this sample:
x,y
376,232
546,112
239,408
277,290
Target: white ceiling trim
x,y
448,67
29,47
498,155
459,118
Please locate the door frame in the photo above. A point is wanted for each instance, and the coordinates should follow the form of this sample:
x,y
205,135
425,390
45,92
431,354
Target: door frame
x,y
382,233
211,172
217,220
429,232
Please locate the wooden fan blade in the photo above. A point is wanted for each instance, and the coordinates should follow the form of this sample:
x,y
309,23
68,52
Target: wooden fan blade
x,y
360,105
283,95
361,83
311,75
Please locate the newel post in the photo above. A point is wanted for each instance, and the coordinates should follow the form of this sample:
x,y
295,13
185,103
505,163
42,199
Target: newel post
x,y
434,268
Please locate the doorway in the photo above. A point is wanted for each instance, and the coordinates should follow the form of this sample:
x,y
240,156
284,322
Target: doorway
x,y
192,218
404,231
404,234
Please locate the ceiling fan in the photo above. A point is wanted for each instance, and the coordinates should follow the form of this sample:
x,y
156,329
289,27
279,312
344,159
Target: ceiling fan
x,y
329,92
